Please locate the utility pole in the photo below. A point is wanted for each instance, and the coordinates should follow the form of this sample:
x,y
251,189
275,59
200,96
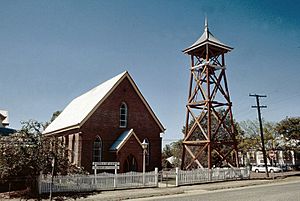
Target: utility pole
x,y
258,106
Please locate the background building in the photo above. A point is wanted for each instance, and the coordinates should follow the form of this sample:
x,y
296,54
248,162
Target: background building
x,y
4,123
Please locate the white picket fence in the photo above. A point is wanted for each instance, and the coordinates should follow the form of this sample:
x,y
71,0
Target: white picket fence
x,y
205,175
103,181
106,181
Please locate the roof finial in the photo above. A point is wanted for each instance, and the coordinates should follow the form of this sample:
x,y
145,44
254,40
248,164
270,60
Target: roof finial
x,y
206,27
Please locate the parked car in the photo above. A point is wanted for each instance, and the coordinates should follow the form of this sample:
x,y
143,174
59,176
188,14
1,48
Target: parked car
x,y
262,168
286,168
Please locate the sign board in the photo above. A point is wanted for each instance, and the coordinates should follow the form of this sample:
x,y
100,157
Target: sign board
x,y
106,163
106,167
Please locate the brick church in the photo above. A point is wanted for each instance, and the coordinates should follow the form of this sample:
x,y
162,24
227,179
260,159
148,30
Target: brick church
x,y
109,123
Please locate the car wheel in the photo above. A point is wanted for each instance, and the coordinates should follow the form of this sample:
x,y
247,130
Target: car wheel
x,y
256,170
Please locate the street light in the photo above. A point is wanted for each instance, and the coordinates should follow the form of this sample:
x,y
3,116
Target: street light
x,y
144,146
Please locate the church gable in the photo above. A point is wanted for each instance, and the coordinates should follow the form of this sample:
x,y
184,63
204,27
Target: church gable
x,y
138,110
123,139
83,107
105,121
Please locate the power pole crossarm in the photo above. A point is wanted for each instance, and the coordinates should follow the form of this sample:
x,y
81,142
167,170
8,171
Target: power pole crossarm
x,y
258,106
263,106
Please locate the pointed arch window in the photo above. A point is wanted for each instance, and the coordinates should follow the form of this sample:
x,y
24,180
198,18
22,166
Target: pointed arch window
x,y
130,164
123,115
97,150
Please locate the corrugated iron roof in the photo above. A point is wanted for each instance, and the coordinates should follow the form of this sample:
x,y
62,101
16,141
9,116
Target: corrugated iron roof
x,y
121,140
80,109
207,38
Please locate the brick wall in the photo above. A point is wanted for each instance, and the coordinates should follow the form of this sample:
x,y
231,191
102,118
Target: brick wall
x,y
104,122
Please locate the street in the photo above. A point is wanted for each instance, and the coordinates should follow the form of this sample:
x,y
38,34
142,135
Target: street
x,y
269,192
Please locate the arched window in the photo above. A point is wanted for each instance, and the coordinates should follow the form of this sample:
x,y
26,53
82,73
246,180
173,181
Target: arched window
x,y
123,115
61,147
62,141
130,164
148,152
97,150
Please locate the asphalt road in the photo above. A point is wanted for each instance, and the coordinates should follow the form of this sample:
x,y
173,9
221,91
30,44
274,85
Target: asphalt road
x,y
270,192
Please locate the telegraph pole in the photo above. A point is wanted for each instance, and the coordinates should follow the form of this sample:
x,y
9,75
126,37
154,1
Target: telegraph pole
x,y
258,106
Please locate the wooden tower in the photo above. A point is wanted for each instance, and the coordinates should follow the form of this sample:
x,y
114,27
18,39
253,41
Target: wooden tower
x,y
209,138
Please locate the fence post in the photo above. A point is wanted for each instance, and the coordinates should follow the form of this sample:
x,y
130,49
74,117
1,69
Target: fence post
x,y
156,176
40,183
177,177
248,172
95,180
95,168
115,178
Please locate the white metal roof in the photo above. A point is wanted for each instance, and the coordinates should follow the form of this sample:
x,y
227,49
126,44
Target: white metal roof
x,y
80,109
207,37
122,139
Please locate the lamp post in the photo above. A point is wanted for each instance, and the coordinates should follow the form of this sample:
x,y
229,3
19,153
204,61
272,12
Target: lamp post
x,y
144,146
52,175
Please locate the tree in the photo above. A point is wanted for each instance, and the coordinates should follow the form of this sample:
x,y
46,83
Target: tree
x,y
250,138
54,116
26,153
289,128
174,150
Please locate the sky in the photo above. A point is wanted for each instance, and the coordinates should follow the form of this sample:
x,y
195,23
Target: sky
x,y
53,51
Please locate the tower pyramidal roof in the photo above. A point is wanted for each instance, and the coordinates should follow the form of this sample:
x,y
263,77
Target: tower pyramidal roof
x,y
207,38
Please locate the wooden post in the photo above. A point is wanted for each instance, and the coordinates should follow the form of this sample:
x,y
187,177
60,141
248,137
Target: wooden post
x,y
177,177
52,177
187,114
156,176
40,183
116,174
208,102
95,170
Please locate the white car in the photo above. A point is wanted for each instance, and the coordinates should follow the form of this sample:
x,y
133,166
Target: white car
x,y
262,168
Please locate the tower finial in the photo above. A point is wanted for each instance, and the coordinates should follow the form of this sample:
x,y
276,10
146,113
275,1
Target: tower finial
x,y
206,27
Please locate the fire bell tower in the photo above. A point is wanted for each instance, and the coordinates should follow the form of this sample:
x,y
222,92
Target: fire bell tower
x,y
209,137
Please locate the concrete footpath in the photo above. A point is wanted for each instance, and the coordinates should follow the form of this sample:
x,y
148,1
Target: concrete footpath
x,y
152,192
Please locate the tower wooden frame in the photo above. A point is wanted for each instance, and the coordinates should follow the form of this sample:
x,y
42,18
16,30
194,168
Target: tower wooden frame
x,y
209,128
